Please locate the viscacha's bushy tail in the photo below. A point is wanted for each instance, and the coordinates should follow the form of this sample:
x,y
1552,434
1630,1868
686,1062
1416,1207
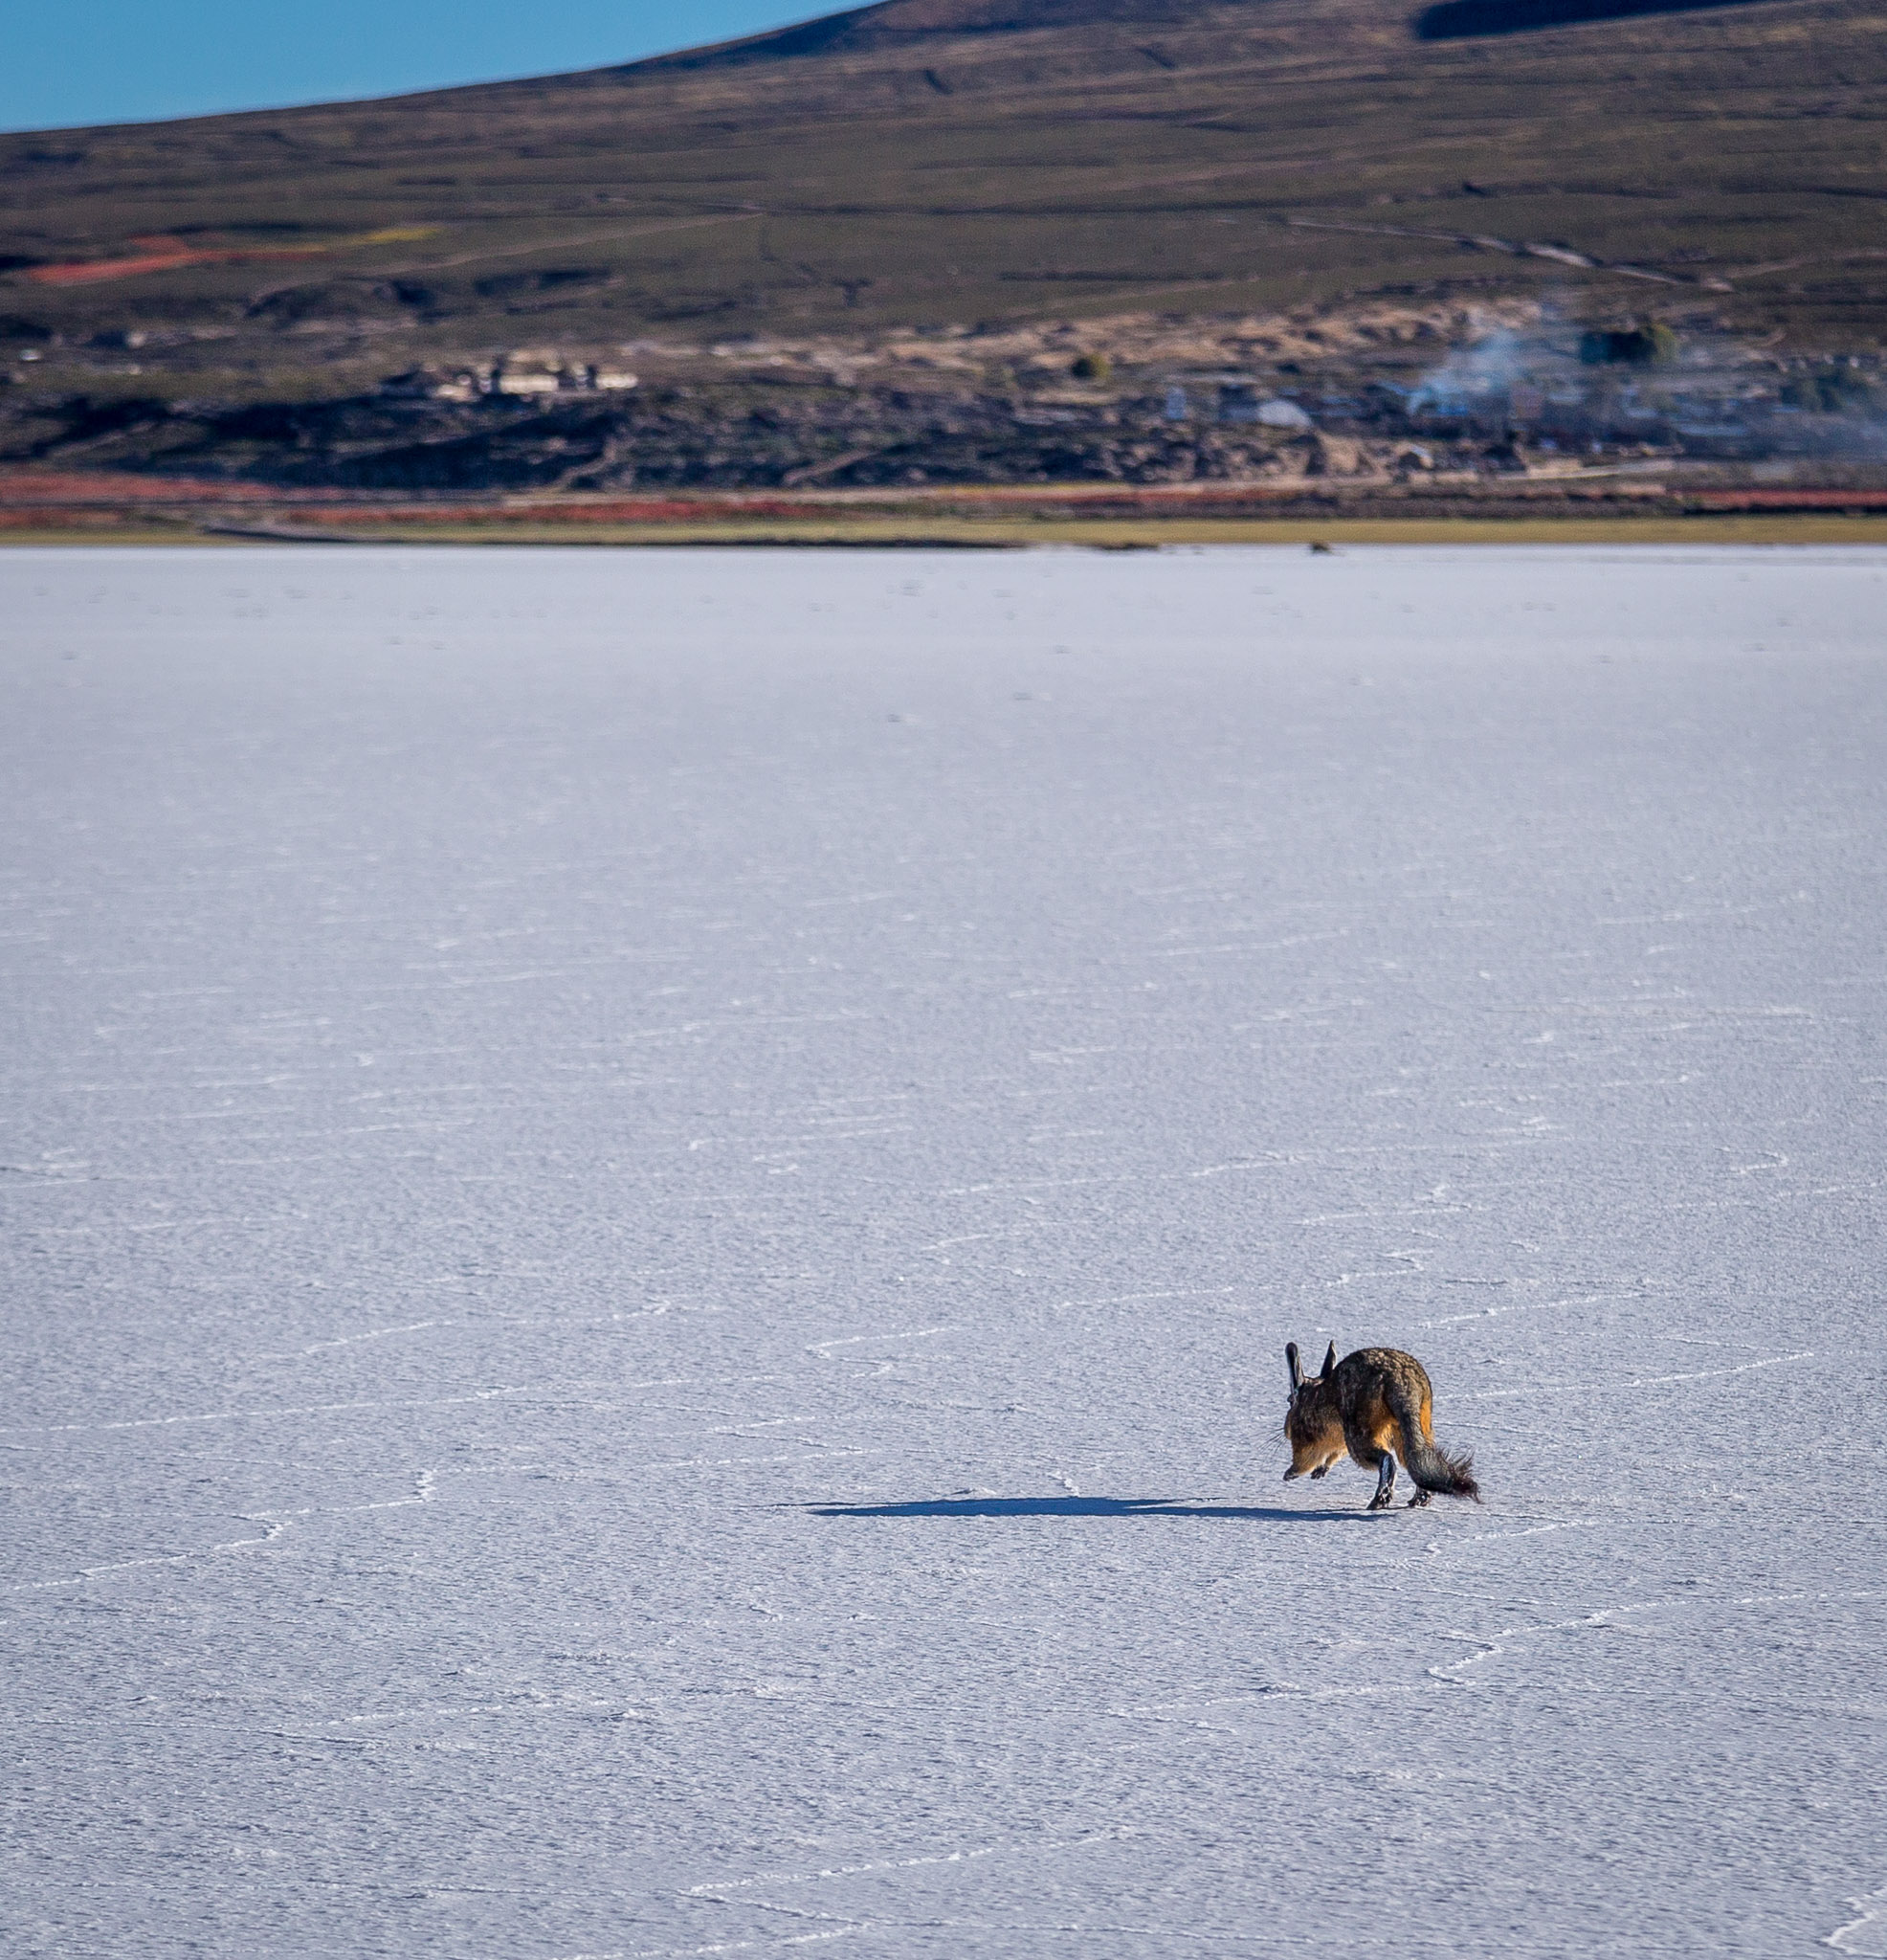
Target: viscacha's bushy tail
x,y
1445,1471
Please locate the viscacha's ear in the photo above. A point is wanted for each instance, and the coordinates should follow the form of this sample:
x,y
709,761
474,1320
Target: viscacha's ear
x,y
1330,1362
1295,1366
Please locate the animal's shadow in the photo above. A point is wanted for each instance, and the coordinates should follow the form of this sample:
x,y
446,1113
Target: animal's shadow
x,y
1085,1507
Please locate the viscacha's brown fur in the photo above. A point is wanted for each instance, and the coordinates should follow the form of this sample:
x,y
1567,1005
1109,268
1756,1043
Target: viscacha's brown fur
x,y
1377,1405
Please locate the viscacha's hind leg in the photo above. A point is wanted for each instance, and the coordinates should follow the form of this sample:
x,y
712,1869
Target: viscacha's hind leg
x,y
1385,1482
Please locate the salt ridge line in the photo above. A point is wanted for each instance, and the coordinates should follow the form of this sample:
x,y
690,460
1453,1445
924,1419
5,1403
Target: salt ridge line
x,y
1654,1381
1490,1646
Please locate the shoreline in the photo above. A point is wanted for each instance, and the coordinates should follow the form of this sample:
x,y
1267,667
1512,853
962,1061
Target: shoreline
x,y
1101,534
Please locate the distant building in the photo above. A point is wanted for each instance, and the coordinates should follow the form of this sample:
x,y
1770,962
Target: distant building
x,y
533,372
528,373
1279,414
1231,397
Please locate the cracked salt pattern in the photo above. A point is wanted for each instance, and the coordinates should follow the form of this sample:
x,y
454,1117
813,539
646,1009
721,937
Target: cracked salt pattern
x,y
655,1200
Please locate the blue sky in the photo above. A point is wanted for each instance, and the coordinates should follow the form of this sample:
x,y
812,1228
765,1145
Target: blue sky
x,y
77,62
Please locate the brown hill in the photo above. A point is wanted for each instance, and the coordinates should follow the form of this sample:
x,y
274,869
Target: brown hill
x,y
994,163
976,159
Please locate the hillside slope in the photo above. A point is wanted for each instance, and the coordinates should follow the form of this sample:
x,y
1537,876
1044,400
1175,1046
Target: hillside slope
x,y
912,161
993,163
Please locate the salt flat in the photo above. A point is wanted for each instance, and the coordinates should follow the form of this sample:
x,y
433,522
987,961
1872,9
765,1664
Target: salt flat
x,y
654,1199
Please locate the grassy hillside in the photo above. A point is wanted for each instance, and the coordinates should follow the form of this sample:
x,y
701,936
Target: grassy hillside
x,y
916,163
